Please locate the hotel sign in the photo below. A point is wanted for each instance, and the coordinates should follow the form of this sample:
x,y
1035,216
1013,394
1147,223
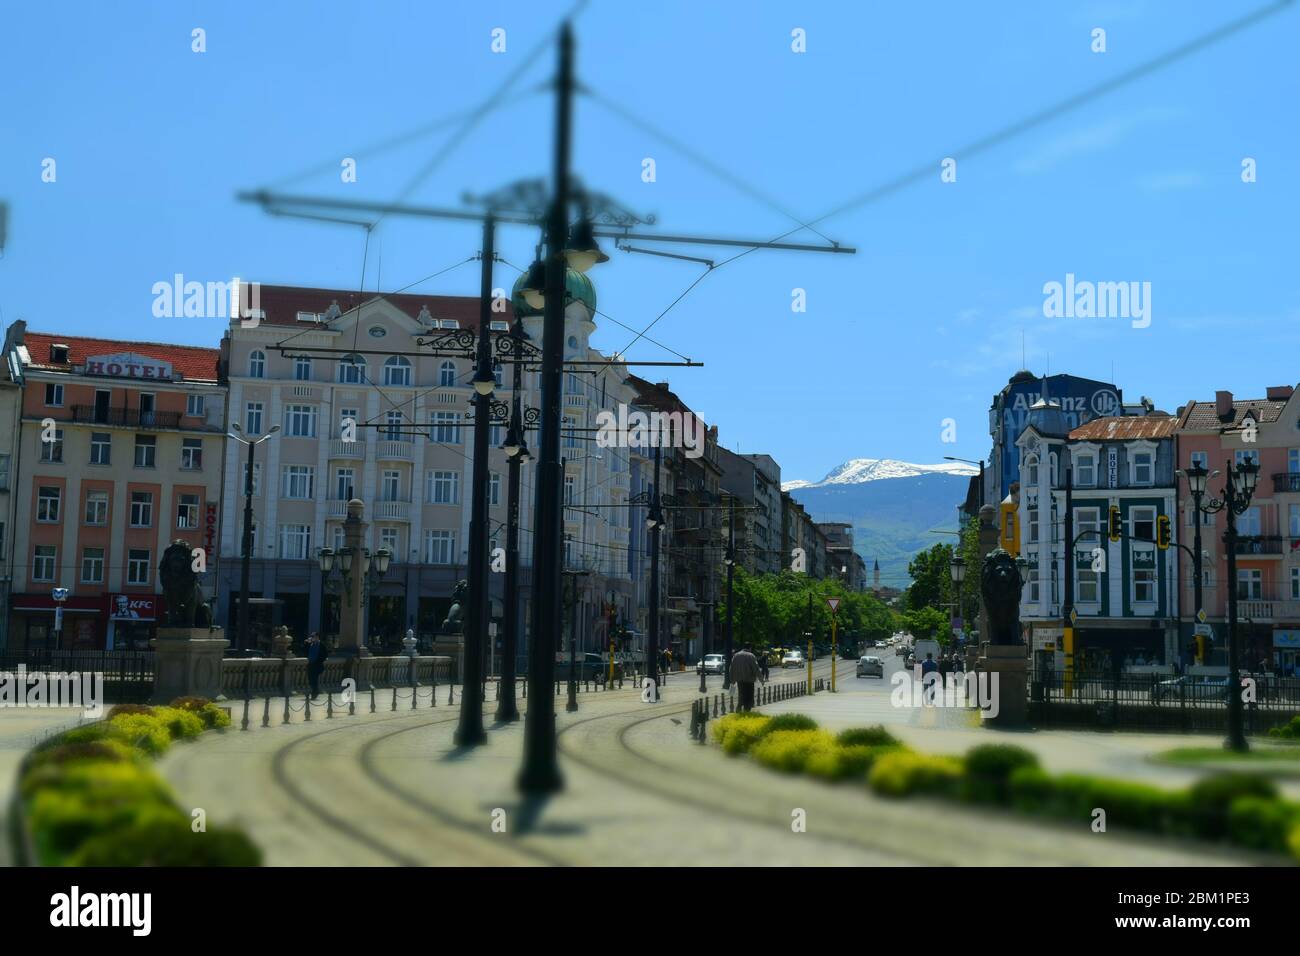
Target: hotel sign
x,y
128,365
1112,468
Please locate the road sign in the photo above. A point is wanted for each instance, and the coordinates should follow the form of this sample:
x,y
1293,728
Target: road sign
x,y
1074,616
1204,629
834,603
1200,615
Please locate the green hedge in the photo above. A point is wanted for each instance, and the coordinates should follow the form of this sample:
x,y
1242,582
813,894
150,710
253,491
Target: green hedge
x,y
789,750
988,771
1288,731
91,797
876,736
903,773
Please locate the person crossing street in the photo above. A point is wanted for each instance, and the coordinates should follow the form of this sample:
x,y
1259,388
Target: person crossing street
x,y
744,673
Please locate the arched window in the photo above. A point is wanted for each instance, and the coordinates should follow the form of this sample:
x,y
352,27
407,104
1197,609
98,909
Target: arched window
x,y
1031,471
352,369
397,371
257,365
302,368
447,374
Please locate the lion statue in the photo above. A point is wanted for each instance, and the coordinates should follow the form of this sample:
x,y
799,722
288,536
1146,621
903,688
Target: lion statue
x,y
455,622
180,584
1000,585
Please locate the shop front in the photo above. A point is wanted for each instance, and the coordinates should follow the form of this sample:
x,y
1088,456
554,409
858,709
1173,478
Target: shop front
x,y
1286,652
32,623
132,620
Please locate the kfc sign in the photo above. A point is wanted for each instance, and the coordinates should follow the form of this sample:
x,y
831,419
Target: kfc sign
x,y
132,607
128,365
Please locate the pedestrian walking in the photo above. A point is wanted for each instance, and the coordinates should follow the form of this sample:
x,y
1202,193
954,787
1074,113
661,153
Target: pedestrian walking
x,y
316,654
744,672
763,665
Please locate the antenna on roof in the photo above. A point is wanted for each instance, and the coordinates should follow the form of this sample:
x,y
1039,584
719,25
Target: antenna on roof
x,y
1022,346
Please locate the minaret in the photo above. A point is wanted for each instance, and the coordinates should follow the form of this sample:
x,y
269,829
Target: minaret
x,y
875,576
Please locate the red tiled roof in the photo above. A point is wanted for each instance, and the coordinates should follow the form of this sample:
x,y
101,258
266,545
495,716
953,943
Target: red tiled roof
x,y
192,361
1126,427
657,396
282,303
1202,416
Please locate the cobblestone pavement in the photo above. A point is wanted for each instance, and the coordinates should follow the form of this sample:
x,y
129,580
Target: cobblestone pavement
x,y
392,789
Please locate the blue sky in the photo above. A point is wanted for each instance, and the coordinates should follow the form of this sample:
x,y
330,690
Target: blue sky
x,y
925,323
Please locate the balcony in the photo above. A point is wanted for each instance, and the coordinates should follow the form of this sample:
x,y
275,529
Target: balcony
x,y
390,450
392,511
1259,545
347,449
125,417
336,508
1286,481
1262,610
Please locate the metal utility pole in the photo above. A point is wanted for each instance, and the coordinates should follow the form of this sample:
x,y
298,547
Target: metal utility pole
x,y
469,730
516,456
731,603
541,770
656,521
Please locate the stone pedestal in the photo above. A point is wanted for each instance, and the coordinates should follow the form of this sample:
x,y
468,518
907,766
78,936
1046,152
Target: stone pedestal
x,y
188,663
1010,663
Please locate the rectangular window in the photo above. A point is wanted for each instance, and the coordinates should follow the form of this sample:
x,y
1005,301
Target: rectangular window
x,y
494,490
1293,461
389,538
53,394
442,487
192,454
570,436
302,369
101,448
1087,524
299,481
187,512
569,485
1241,456
1248,524
343,478
300,421
1201,459
141,509
92,566
47,503
253,418
1142,523
1295,584
1143,468
1293,520
137,566
1085,471
52,451
391,486
445,430
146,449
355,415
295,541
97,507
194,406
1144,585
393,426
4,472
43,561
1250,584
439,547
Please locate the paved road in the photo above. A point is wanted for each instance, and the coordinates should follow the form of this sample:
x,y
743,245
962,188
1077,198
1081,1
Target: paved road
x,y
392,789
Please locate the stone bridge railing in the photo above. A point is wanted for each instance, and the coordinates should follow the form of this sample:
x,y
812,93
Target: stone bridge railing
x,y
274,676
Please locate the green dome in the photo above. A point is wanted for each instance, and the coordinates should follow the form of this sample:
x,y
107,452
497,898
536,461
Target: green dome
x,y
577,287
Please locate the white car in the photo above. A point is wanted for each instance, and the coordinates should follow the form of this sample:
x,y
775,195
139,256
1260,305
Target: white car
x,y
712,664
792,659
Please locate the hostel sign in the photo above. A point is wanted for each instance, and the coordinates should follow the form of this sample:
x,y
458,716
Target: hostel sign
x,y
128,365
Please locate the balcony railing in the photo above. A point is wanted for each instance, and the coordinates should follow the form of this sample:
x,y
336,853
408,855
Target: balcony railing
x,y
1286,481
337,507
347,449
396,450
1256,609
1258,544
393,510
125,417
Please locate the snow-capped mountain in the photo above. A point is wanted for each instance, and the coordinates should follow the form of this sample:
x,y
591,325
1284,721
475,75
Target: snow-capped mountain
x,y
856,471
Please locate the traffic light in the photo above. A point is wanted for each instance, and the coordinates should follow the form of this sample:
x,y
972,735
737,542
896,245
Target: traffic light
x,y
1116,526
1164,533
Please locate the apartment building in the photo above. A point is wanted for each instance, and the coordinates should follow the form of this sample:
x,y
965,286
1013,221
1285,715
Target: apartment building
x,y
843,562
1124,592
799,531
1217,435
755,481
119,453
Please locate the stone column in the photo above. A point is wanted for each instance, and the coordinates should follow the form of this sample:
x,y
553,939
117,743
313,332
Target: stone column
x,y
352,613
1011,667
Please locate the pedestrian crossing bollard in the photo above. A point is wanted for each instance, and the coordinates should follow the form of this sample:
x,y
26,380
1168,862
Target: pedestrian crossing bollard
x,y
329,706
266,712
286,707
372,698
394,698
451,694
306,709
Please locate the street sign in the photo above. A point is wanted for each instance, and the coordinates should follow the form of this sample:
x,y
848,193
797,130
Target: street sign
x,y
1204,629
1074,616
1200,615
834,603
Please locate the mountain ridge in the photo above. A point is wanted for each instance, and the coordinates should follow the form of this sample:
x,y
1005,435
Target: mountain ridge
x,y
857,471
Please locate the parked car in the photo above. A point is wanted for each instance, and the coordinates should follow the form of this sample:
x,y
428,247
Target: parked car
x,y
870,667
792,659
711,664
1193,687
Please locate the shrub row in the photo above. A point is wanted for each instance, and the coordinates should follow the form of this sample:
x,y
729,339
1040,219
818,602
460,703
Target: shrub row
x,y
92,798
1241,808
1288,731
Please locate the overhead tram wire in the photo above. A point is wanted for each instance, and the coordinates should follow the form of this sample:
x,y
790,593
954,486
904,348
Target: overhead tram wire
x,y
1038,118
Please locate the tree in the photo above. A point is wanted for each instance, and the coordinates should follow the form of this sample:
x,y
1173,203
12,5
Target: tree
x,y
931,578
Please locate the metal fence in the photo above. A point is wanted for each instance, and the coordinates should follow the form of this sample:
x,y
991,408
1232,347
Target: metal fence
x,y
127,675
1158,702
275,676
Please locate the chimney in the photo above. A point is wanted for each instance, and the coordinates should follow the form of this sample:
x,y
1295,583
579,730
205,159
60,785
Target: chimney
x,y
1223,405
1279,393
